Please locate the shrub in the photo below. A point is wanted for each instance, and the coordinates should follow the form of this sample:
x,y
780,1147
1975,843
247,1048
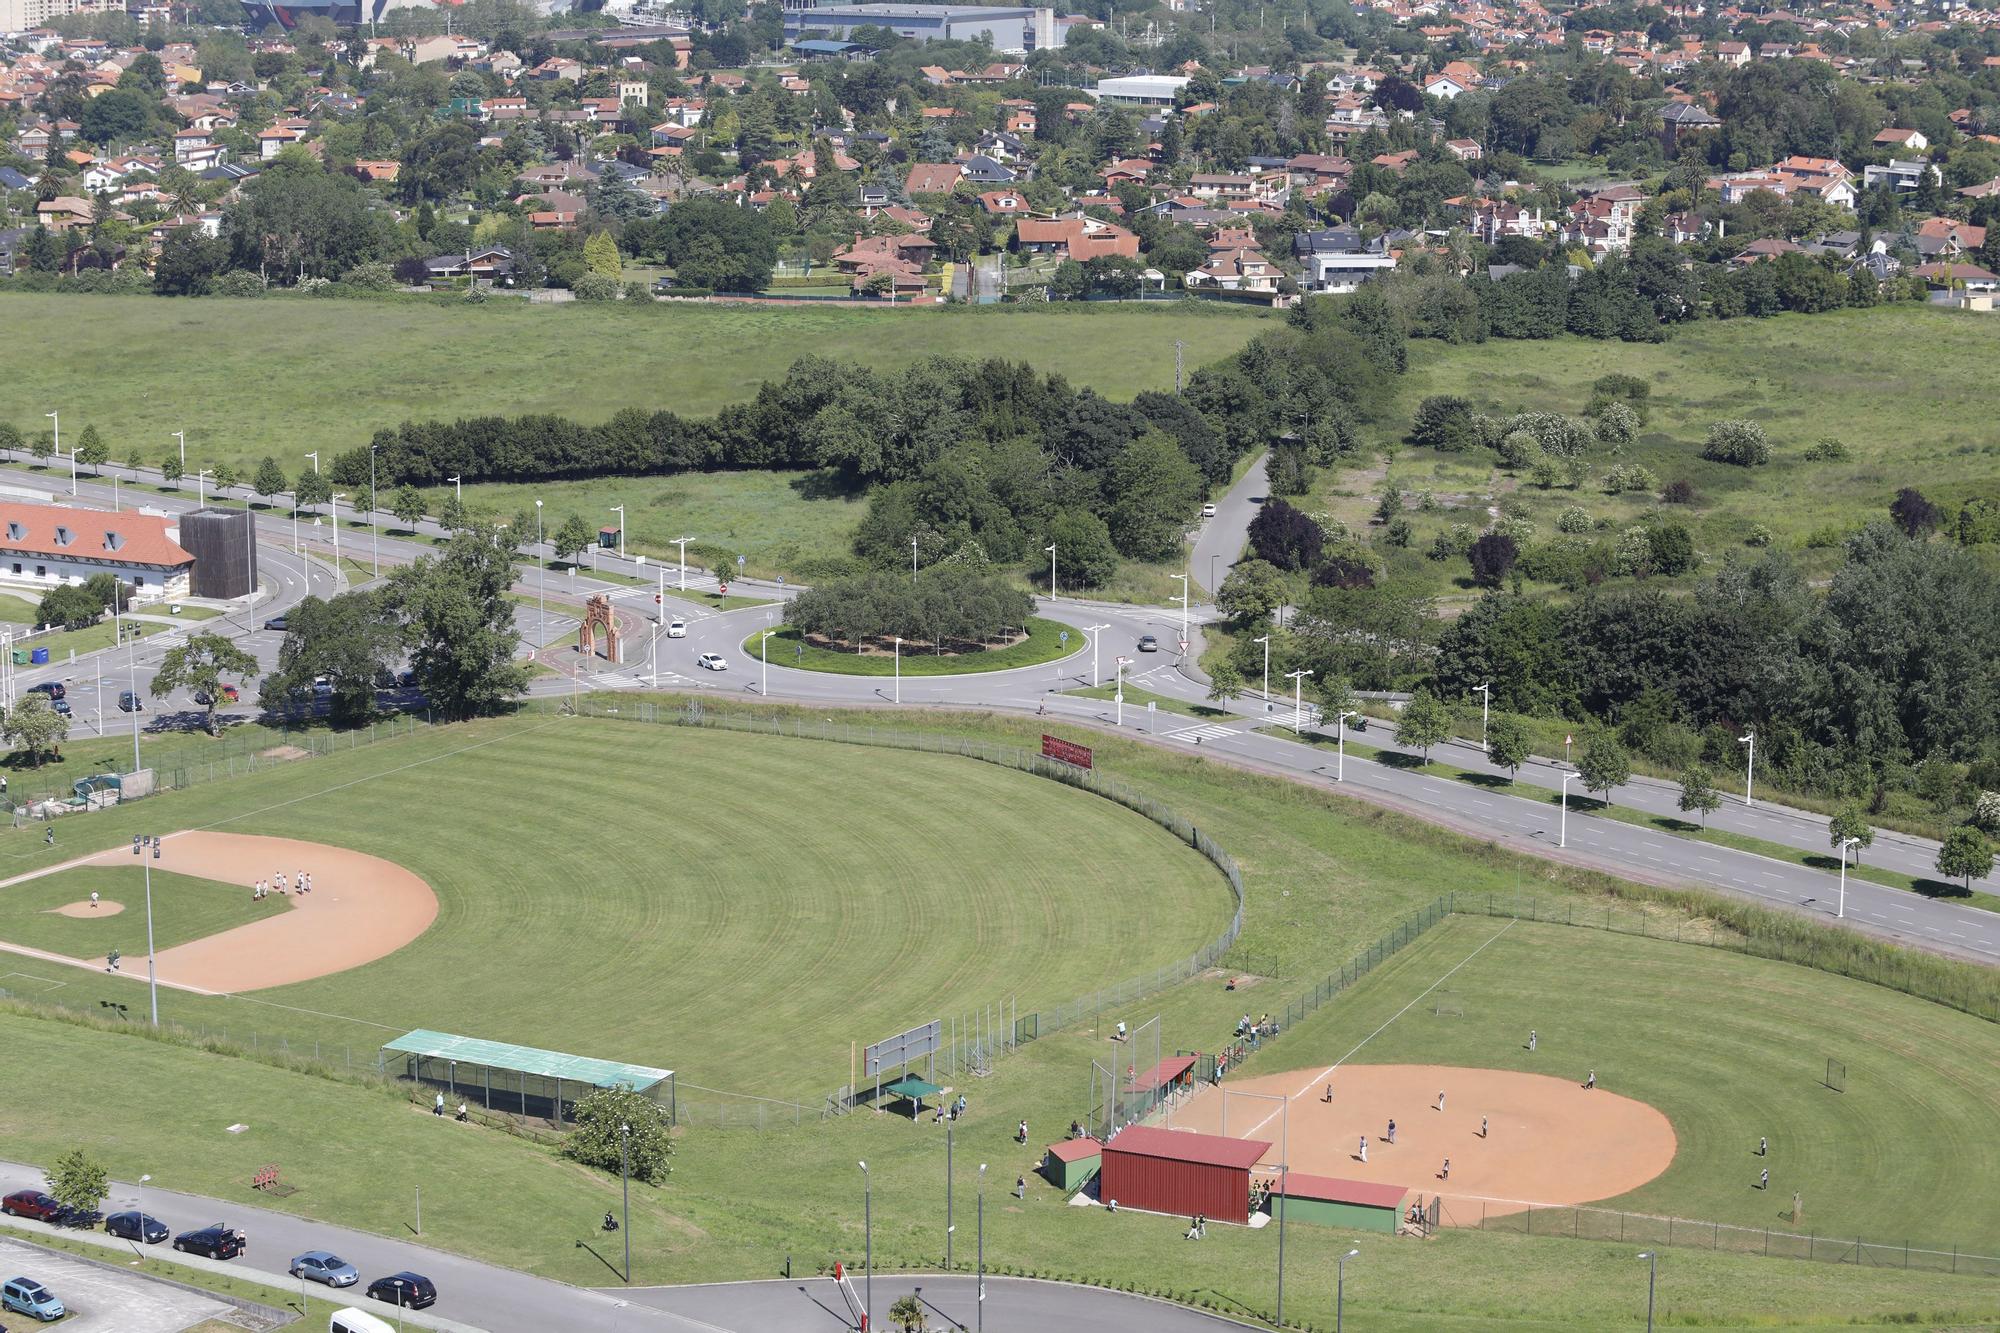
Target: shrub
x,y
1286,536
1522,530
1573,519
1628,391
1634,553
1628,477
371,277
1672,549
1520,450
638,293
1443,421
1564,437
1399,532
1828,450
1679,492
1617,424
412,272
595,287
1759,536
1492,557
1740,442
237,283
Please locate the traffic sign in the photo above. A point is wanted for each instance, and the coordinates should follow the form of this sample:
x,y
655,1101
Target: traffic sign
x,y
1064,636
1184,644
739,562
723,588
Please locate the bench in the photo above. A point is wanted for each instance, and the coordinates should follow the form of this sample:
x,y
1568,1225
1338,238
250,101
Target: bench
x,y
266,1178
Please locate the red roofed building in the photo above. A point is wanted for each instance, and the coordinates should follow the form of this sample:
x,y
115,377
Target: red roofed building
x,y
1183,1174
932,178
1075,238
1364,1204
44,546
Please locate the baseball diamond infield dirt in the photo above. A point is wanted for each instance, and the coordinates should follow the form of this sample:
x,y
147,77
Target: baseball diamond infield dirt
x,y
1548,1140
361,908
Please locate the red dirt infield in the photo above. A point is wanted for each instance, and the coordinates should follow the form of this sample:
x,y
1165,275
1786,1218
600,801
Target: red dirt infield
x,y
1548,1139
361,908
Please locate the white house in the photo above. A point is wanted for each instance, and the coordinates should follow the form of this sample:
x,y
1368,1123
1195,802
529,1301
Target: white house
x,y
1336,259
45,546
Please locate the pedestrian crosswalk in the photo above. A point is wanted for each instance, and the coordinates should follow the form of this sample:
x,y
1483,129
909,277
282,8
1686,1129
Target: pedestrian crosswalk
x,y
1207,731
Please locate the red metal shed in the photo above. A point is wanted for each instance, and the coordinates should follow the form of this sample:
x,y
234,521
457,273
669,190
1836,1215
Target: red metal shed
x,y
1169,1172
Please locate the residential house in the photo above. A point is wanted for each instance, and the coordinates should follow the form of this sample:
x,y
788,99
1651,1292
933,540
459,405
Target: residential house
x,y
1454,80
932,178
487,264
1079,238
46,546
1492,220
1678,120
1907,141
64,213
1002,203
1898,175
1733,53
1465,150
1338,259
1966,286
1237,269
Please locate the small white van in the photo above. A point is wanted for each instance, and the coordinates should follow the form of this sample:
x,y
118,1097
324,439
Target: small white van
x,y
357,1321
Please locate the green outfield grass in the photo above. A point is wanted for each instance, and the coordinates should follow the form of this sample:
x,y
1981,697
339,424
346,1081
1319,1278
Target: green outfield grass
x,y
1731,1049
1044,644
409,360
1679,1026
184,908
743,930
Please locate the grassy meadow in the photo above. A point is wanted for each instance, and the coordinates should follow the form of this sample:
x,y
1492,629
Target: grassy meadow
x,y
287,376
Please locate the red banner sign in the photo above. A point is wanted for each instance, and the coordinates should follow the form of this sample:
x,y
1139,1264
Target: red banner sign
x,y
1068,751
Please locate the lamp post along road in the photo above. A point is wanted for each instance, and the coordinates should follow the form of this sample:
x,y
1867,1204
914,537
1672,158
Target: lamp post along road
x,y
1562,837
764,651
1092,631
375,529
899,668
868,1245
1184,612
1266,641
1298,701
1052,570
1340,1288
1119,693
1485,693
681,542
1750,768
1340,749
620,511
201,488
458,488
1845,843
181,436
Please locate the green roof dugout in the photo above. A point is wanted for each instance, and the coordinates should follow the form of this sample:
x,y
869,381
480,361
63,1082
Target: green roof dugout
x,y
1360,1204
517,1080
1070,1164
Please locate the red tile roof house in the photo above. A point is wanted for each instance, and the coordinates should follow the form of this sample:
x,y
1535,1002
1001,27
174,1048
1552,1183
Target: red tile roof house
x,y
932,178
44,546
1075,238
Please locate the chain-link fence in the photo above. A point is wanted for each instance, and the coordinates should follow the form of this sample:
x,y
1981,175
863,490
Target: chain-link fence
x,y
1586,1223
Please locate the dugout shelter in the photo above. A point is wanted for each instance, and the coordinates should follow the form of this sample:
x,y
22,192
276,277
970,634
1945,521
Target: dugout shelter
x,y
1166,1171
517,1080
1364,1205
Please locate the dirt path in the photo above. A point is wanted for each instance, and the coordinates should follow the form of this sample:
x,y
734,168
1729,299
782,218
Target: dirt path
x,y
1548,1141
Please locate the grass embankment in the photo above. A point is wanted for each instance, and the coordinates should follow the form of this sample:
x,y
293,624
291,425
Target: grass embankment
x,y
420,360
1044,644
1323,876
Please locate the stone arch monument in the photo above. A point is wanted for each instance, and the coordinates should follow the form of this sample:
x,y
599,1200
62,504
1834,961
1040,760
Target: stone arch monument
x,y
597,616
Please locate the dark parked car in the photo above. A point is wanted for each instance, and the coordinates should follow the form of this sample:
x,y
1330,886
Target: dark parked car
x,y
82,1219
130,702
55,689
412,1290
217,1242
136,1226
203,698
62,706
31,1203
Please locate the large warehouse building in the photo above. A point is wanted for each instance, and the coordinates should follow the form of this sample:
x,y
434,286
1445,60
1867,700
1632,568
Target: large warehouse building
x,y
1009,30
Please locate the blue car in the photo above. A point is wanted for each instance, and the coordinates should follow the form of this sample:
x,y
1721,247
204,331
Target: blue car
x,y
321,1266
27,1296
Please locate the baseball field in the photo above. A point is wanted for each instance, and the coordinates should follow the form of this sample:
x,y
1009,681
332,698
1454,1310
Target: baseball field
x,y
739,907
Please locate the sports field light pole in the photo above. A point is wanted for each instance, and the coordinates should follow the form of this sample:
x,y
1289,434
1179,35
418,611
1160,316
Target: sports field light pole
x,y
1298,700
948,1227
764,651
1282,1210
1340,1288
152,976
1485,693
979,1286
868,1244
1750,769
1340,747
1092,631
625,1178
1266,641
1845,843
1652,1259
899,668
1562,836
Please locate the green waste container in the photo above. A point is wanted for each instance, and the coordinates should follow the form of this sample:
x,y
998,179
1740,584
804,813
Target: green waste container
x,y
20,657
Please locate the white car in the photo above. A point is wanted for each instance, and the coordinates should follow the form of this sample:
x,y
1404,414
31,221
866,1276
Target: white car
x,y
1208,511
677,628
711,662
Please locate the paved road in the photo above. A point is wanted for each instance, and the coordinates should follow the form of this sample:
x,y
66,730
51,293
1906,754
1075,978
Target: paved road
x,y
1013,1305
1619,848
1221,538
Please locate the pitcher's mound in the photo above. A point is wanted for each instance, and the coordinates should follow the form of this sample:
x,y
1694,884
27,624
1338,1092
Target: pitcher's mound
x,y
104,907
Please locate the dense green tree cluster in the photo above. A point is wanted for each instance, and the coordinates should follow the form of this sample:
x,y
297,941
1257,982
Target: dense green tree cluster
x,y
945,606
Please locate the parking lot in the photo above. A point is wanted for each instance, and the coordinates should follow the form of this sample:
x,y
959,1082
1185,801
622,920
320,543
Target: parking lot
x,y
103,1301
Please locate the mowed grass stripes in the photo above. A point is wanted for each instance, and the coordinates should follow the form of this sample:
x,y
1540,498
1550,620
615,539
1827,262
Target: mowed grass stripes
x,y
737,908
1731,1049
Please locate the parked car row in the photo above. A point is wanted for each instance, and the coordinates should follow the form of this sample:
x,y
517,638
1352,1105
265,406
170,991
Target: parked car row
x,y
218,1240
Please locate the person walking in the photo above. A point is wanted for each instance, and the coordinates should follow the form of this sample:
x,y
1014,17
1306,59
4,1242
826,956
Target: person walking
x,y
305,882
1329,1095
1363,1151
1531,1040
1764,1179
1024,1131
1763,1147
1445,1174
49,836
1591,1082
437,1106
1440,1105
1482,1127
1392,1132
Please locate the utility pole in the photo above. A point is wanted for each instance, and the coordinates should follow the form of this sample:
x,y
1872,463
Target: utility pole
x,y
1179,347
1750,771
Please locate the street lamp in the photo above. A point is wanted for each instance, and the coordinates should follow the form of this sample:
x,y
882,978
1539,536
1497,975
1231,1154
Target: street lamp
x,y
1845,843
1340,1287
335,500
899,668
1652,1274
913,559
979,1289
1266,641
1298,700
152,975
1051,549
374,528
457,488
1119,693
764,652
314,456
1562,837
1184,611
681,542
201,488
295,522
1092,631
1485,693
181,436
1340,755
625,1179
868,1244
620,511
1750,769
541,582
